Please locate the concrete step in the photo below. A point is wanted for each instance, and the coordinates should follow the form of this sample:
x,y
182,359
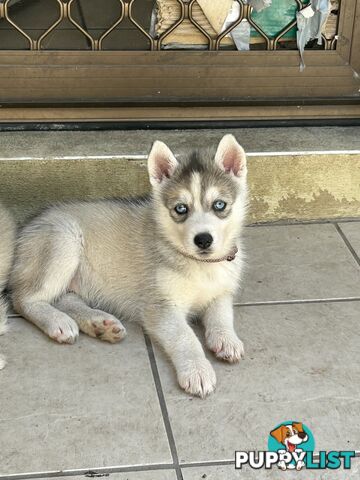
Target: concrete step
x,y
295,174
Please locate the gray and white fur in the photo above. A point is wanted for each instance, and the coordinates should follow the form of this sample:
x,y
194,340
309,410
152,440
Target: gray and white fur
x,y
7,240
145,259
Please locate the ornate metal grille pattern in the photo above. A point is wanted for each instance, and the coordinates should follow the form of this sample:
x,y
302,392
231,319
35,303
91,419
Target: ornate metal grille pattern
x,y
64,11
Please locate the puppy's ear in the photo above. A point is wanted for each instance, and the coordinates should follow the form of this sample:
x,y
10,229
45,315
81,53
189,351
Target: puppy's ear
x,y
161,163
279,433
230,156
298,426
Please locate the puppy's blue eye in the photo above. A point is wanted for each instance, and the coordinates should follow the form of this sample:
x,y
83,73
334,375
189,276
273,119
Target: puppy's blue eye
x,y
219,205
181,209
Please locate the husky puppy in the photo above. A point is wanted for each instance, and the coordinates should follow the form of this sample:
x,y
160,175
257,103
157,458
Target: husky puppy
x,y
7,240
157,260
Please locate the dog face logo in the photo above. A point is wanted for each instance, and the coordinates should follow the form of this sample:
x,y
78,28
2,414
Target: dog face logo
x,y
292,440
291,446
291,435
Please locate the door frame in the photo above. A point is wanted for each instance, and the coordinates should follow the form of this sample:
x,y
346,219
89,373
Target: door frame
x,y
173,86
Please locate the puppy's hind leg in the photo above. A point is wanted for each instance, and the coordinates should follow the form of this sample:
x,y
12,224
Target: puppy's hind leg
x,y
56,324
47,258
93,322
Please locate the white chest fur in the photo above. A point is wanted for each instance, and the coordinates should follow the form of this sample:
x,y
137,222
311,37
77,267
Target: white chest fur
x,y
196,287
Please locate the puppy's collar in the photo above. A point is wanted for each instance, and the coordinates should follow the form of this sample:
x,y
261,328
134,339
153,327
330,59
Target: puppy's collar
x,y
229,257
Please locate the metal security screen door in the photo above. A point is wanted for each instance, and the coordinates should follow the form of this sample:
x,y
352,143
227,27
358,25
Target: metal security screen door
x,y
145,60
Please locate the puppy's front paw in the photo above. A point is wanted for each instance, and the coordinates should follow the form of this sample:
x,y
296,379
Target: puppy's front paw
x,y
226,346
63,330
198,378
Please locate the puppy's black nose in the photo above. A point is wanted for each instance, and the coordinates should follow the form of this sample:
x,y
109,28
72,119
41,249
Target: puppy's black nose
x,y
203,240
302,435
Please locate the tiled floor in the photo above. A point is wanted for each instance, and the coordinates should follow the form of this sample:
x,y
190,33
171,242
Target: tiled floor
x,y
94,408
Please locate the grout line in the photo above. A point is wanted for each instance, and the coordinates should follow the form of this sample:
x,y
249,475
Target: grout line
x,y
348,220
208,464
101,472
163,406
214,463
348,244
297,302
269,302
292,222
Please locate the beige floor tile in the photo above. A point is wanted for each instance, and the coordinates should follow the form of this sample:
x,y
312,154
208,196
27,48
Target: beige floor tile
x,y
86,405
302,364
297,262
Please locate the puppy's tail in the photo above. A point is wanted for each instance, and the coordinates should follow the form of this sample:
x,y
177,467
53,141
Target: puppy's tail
x,y
7,245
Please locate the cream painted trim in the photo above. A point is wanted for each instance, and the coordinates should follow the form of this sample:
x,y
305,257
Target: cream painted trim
x,y
143,157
